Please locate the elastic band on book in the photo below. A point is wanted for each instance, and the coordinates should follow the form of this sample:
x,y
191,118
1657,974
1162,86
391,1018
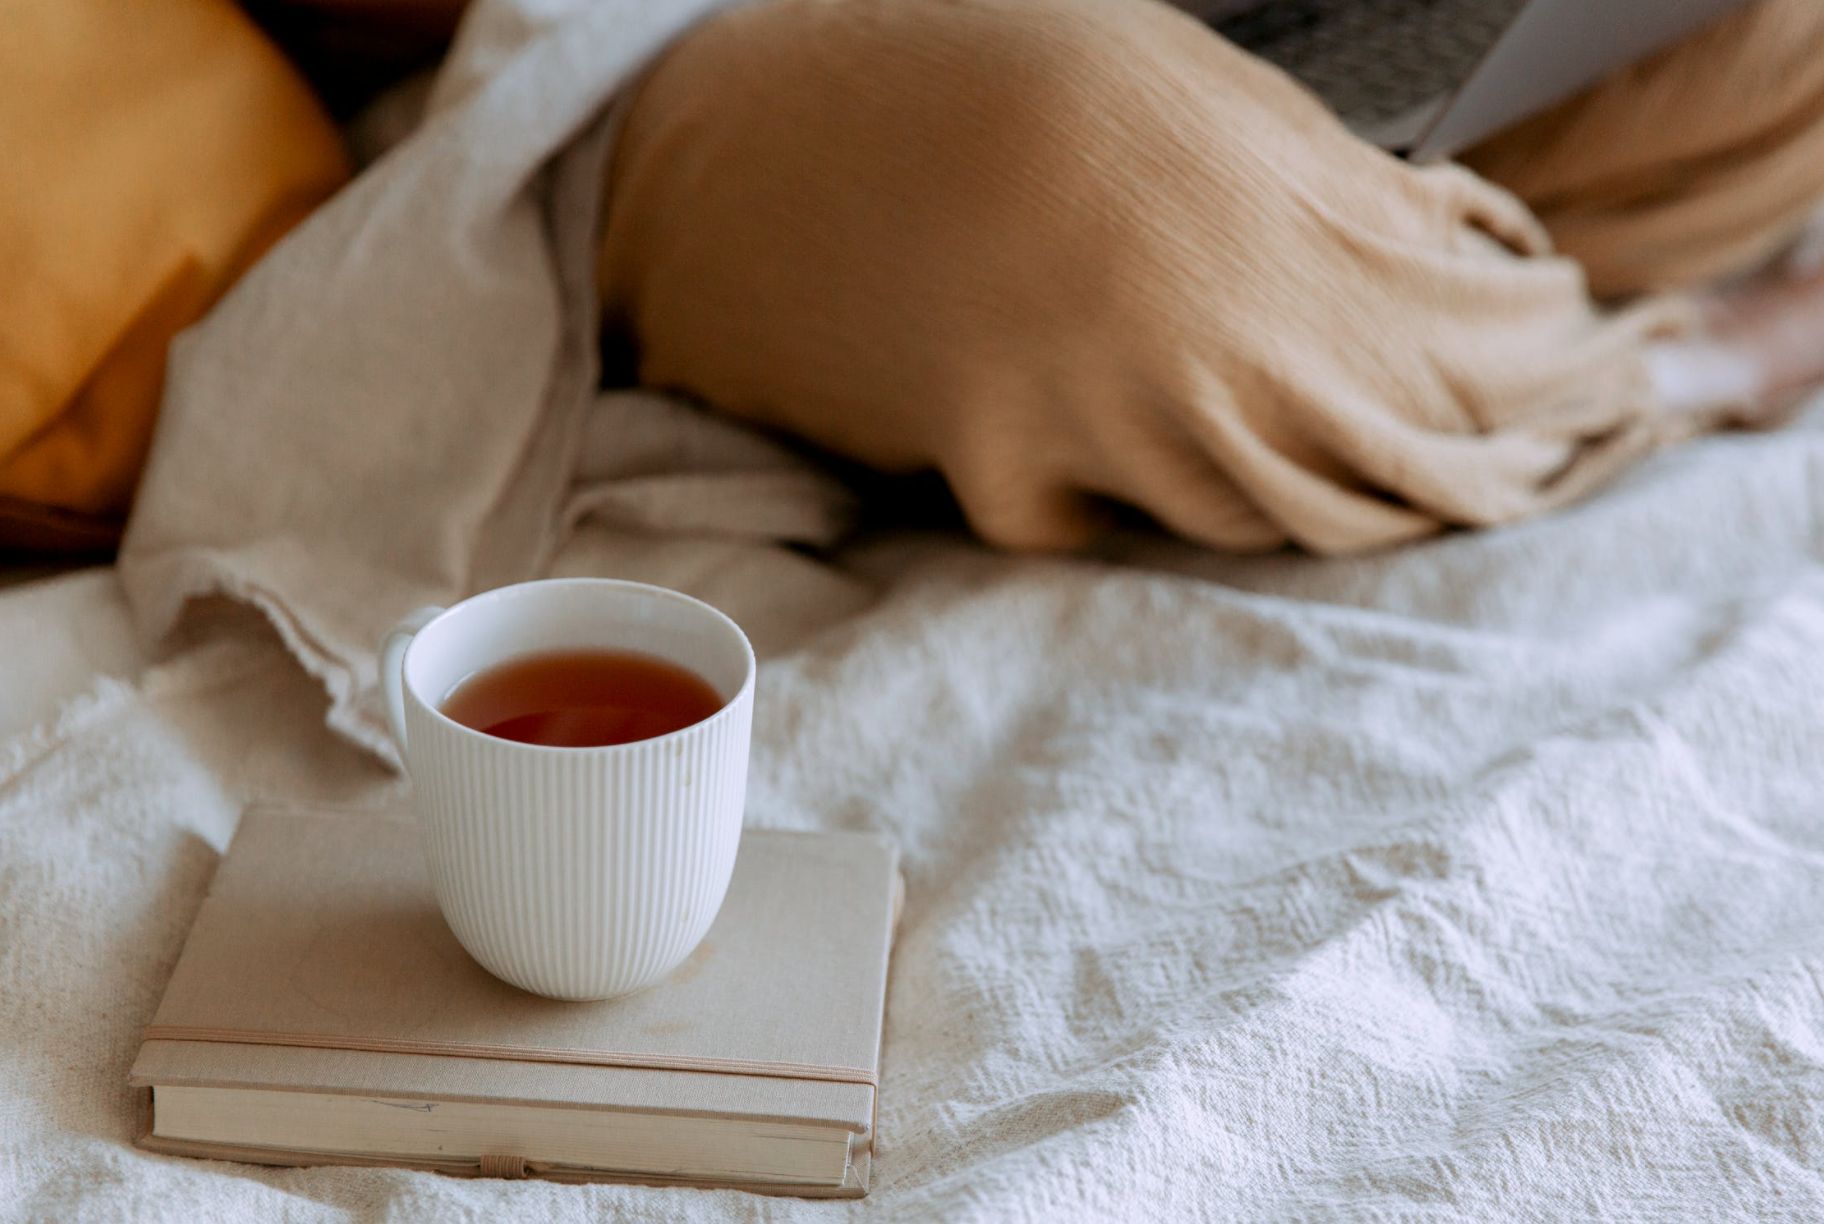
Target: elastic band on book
x,y
505,1053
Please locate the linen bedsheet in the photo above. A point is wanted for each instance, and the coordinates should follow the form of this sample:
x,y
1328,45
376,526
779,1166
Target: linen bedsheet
x,y
1482,880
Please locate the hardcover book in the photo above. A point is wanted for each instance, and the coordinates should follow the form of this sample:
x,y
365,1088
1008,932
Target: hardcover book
x,y
323,1013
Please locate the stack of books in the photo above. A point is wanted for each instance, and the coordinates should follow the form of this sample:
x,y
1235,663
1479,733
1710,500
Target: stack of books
x,y
323,1013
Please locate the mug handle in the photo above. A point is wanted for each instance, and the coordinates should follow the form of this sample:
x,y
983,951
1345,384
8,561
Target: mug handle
x,y
392,668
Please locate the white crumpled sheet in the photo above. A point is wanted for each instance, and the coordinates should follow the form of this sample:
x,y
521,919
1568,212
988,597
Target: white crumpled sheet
x,y
1484,880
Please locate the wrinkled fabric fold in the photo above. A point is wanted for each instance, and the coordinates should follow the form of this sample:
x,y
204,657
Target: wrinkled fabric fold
x,y
384,413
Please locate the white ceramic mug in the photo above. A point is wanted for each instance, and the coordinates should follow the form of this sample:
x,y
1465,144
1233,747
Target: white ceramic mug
x,y
576,873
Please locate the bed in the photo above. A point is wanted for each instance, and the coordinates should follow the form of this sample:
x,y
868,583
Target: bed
x,y
1478,880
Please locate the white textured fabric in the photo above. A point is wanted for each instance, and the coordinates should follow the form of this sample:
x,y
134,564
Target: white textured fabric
x,y
1480,881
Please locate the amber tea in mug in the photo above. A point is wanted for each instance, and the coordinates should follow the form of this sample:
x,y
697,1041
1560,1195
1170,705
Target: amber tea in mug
x,y
581,698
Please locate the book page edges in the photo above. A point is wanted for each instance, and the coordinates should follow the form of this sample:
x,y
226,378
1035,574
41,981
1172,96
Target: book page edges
x,y
855,1184
497,1081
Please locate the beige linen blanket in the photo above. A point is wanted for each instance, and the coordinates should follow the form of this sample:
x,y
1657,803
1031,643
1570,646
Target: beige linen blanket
x,y
386,411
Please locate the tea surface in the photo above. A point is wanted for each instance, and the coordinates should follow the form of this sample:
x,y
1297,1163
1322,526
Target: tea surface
x,y
581,698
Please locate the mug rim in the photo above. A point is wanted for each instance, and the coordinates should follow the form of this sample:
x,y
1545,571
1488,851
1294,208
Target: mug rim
x,y
502,592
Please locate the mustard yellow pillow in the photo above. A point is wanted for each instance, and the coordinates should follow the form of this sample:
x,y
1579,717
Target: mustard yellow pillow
x,y
153,152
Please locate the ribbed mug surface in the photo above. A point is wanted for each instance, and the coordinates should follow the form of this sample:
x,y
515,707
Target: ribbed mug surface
x,y
579,873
